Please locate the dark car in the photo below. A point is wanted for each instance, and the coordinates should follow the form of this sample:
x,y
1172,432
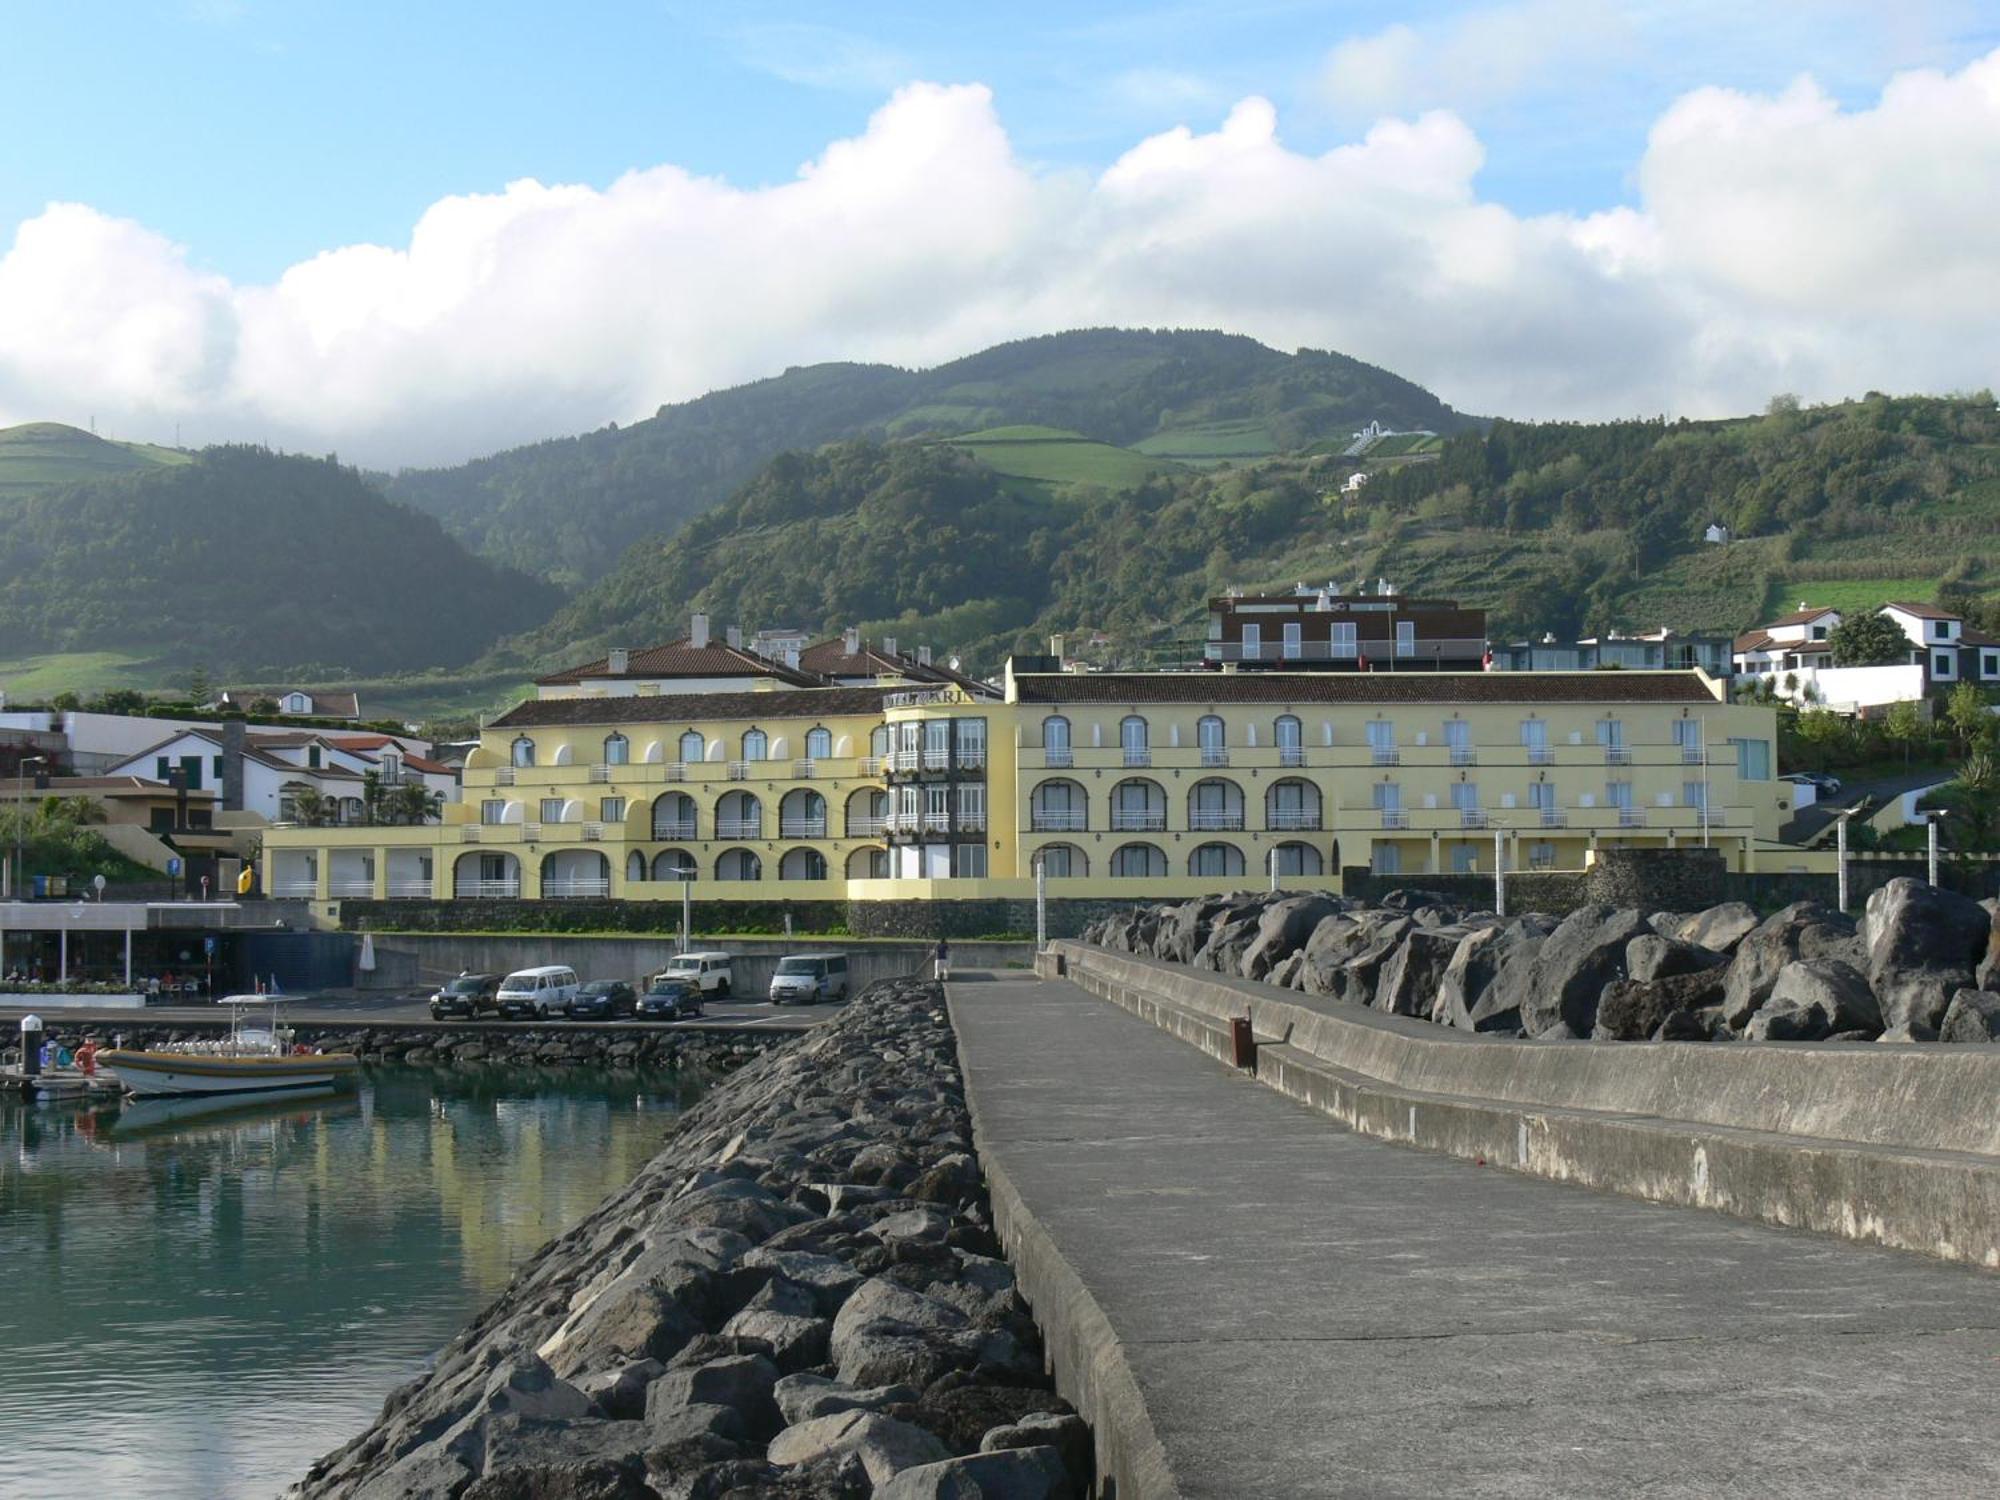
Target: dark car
x,y
469,995
669,1000
603,1000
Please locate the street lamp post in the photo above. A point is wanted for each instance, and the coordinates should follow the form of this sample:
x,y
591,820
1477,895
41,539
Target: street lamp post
x,y
1499,871
1041,902
21,818
1931,848
1840,852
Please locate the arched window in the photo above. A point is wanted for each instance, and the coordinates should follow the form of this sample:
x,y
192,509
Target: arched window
x,y
673,864
802,815
617,750
738,815
1290,805
756,745
1055,741
1138,806
524,751
1297,859
1213,740
635,866
1290,741
881,740
738,864
1063,862
674,816
868,864
1059,806
1216,860
1215,805
867,812
693,748
819,744
1134,861
1133,741
802,864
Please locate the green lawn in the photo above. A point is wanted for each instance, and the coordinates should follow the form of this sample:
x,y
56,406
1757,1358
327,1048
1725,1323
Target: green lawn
x,y
1052,456
1212,442
1848,594
30,679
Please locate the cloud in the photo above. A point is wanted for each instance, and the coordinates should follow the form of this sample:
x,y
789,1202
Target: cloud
x,y
820,57
1779,242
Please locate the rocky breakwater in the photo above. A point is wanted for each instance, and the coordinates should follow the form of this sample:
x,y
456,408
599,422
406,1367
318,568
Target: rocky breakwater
x,y
1922,964
801,1296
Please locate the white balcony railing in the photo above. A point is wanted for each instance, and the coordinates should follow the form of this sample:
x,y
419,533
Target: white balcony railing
x,y
1617,755
739,828
1631,817
600,772
1472,817
1057,820
970,822
678,771
1132,820
468,833
1215,755
1209,820
1058,756
1553,817
1385,755
1138,755
937,822
307,888
866,826
531,831
802,770
1464,755
593,833
676,832
1293,819
870,765
936,757
1291,755
503,776
1691,755
739,770
802,828
409,890
971,757
580,885
1541,755
903,760
1395,817
362,887
489,889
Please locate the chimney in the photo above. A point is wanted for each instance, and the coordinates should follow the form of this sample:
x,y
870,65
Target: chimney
x,y
888,645
620,661
734,635
232,765
1056,647
850,641
698,631
923,656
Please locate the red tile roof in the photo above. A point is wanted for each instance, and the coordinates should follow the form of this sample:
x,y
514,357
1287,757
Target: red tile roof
x,y
1802,616
676,708
1362,687
682,658
1922,611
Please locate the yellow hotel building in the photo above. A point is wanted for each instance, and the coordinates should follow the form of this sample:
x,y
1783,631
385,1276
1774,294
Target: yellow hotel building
x,y
1121,785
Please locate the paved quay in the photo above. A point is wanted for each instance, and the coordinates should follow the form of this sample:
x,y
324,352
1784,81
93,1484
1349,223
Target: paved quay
x,y
1309,1312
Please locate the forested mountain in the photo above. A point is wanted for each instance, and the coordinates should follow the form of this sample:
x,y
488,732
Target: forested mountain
x,y
1561,527
567,508
241,560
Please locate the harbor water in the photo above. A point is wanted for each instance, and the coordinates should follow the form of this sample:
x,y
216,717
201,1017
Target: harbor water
x,y
200,1304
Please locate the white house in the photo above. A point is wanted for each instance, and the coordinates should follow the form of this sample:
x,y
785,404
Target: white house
x,y
298,703
1790,643
1717,533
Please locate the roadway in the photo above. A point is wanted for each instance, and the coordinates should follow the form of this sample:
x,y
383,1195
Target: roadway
x,y
1303,1311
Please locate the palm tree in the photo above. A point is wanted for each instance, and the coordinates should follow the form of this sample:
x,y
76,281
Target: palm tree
x,y
413,802
309,806
372,797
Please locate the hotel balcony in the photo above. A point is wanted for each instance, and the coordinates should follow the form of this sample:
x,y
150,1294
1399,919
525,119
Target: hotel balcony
x,y
1203,820
739,828
802,828
1126,821
1058,822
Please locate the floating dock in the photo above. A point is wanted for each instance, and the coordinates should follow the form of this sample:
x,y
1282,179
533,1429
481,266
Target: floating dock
x,y
58,1083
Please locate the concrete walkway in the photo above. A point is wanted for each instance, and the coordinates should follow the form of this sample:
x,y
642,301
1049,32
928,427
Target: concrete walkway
x,y
1309,1312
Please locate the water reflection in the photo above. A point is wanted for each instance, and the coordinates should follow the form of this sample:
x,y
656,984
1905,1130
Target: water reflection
x,y
199,1305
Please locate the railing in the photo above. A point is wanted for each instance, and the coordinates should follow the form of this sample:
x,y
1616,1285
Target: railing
x,y
1057,757
1124,820
802,828
802,770
739,770
1542,859
903,760
1617,755
1464,755
581,885
1291,755
971,757
1208,820
1421,652
531,831
503,775
937,822
1214,755
870,765
1138,756
1057,821
487,889
1293,819
307,888
1385,755
867,826
600,772
593,833
409,890
468,833
1472,817
1631,817
1691,755
1541,755
969,822
1553,817
739,828
673,832
363,887
678,771
937,758
1395,817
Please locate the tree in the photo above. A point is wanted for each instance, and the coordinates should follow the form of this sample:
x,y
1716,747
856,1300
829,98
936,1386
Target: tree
x,y
413,803
200,686
128,701
309,806
264,704
1966,712
1867,641
65,703
1823,729
372,797
1904,726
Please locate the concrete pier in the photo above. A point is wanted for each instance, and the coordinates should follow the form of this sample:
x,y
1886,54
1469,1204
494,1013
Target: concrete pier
x,y
1246,1298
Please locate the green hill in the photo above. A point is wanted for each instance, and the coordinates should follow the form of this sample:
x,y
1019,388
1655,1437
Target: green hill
x,y
39,455
1559,527
567,508
241,560
1051,455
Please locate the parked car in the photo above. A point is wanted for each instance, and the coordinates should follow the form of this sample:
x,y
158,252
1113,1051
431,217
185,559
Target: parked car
x,y
807,978
669,1000
469,995
603,1000
710,973
1819,781
536,994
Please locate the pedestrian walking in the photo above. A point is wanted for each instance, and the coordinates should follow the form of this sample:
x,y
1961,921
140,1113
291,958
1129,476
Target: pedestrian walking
x,y
943,960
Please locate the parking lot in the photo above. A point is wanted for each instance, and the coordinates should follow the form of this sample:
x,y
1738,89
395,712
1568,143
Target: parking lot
x,y
366,1009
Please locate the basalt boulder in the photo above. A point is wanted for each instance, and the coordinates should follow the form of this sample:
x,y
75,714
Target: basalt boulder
x,y
1345,954
1282,930
1413,976
1633,1010
1470,995
1720,928
1650,956
1805,929
1923,946
1972,1016
1584,954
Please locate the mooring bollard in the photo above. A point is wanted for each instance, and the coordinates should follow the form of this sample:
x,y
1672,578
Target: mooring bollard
x,y
1242,1045
31,1045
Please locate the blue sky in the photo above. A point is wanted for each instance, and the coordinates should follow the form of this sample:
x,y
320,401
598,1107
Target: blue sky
x,y
413,232
258,132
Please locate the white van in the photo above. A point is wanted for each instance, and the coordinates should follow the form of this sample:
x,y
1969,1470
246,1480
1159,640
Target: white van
x,y
805,978
708,973
537,994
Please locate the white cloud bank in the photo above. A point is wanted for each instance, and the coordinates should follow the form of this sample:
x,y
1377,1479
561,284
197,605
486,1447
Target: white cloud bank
x,y
1779,243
